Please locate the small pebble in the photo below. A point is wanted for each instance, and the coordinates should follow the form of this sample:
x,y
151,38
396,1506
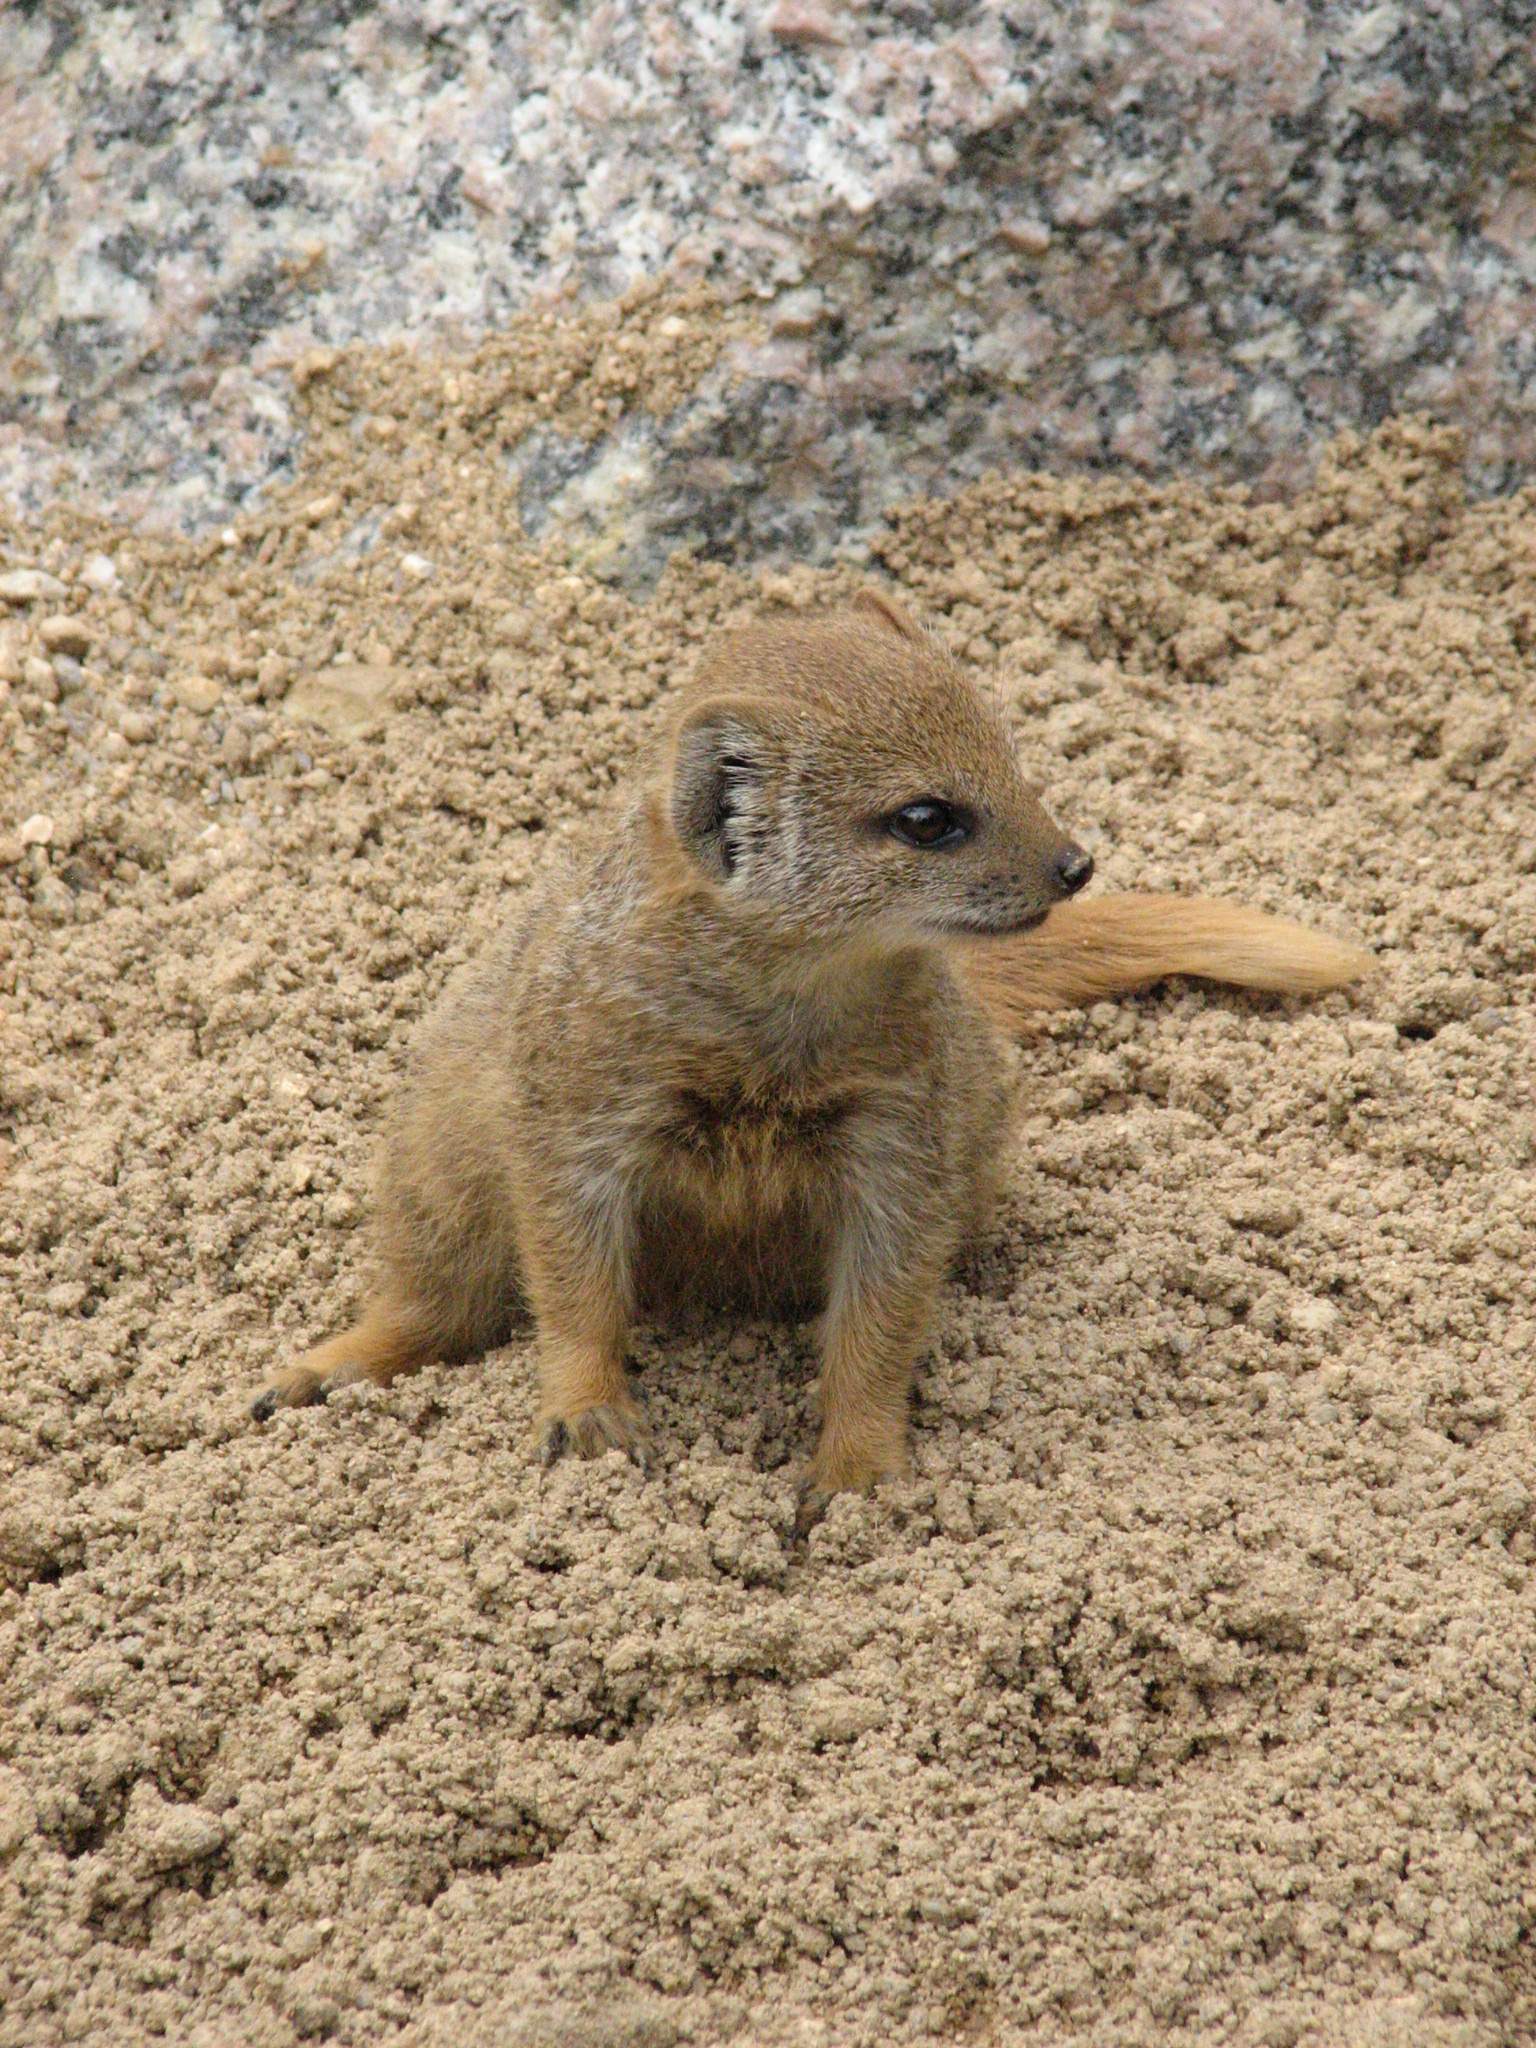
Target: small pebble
x,y
197,693
314,362
26,586
797,314
1028,237
798,26
37,830
515,627
65,634
51,899
1486,1022
273,675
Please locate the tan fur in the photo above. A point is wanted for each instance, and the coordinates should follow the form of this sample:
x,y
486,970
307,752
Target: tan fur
x,y
1111,945
744,1046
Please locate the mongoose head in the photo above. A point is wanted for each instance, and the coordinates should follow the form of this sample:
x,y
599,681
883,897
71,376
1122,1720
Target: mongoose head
x,y
846,774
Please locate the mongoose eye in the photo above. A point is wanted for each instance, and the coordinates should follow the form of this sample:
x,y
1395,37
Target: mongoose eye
x,y
931,824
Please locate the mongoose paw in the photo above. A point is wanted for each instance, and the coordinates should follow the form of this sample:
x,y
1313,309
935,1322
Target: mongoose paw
x,y
610,1427
299,1388
855,1468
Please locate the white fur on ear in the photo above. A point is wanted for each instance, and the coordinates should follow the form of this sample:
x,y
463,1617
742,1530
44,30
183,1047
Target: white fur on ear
x,y
717,774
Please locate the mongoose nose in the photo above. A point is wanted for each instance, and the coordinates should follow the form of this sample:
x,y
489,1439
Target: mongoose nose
x,y
1074,867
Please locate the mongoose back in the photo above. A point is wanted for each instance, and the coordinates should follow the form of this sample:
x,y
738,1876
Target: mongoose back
x,y
748,1043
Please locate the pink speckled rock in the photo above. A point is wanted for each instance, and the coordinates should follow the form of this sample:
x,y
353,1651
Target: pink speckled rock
x,y
1172,237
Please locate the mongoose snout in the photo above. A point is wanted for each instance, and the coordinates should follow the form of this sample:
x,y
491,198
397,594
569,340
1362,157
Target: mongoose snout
x,y
754,1029
1074,869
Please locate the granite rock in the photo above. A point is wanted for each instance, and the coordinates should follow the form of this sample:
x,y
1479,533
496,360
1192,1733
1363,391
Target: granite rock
x,y
1029,233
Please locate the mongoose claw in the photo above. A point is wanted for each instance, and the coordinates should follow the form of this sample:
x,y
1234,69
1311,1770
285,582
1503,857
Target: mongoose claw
x,y
811,1503
296,1389
610,1427
553,1444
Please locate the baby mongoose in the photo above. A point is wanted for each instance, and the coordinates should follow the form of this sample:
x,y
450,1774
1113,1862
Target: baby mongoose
x,y
749,1043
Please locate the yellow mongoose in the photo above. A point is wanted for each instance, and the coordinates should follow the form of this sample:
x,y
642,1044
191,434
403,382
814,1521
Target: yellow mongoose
x,y
748,1043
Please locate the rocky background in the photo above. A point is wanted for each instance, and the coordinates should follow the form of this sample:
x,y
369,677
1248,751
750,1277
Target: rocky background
x,y
1166,237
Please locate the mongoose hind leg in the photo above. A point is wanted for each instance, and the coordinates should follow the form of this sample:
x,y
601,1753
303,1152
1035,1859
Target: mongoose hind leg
x,y
376,1351
444,1230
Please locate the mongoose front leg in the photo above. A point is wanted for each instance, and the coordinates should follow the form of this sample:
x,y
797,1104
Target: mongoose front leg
x,y
380,1348
888,1260
576,1272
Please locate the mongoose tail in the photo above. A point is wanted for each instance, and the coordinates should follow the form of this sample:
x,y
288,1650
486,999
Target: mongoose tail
x,y
1109,945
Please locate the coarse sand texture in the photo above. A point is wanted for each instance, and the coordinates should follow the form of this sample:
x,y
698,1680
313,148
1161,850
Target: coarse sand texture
x,y
1187,1692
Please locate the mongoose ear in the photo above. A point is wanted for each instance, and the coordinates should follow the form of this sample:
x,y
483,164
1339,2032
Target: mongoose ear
x,y
717,778
878,603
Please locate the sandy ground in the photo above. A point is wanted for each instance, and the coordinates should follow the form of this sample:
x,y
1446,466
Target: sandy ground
x,y
1185,1694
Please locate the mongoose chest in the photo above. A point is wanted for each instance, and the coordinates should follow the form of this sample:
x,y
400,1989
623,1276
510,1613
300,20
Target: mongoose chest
x,y
733,1156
